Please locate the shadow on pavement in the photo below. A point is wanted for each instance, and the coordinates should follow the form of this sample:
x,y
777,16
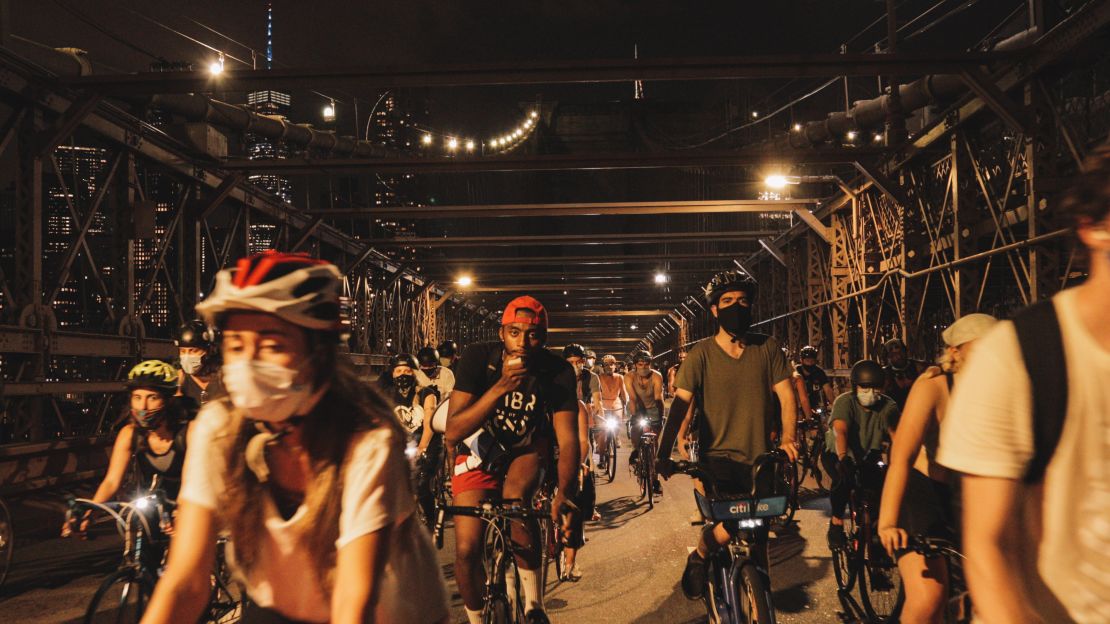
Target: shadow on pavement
x,y
676,603
618,512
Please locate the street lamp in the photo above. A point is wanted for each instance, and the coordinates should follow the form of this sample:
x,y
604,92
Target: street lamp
x,y
216,67
426,139
464,281
660,278
329,112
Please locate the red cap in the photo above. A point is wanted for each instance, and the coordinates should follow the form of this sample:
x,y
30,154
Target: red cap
x,y
538,314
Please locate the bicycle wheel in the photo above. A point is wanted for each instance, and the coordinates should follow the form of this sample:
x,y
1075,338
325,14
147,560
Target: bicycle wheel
x,y
7,541
648,458
846,561
497,611
754,592
790,483
880,587
121,598
611,469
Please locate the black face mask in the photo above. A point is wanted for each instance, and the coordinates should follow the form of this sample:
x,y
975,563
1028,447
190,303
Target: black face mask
x,y
404,383
735,319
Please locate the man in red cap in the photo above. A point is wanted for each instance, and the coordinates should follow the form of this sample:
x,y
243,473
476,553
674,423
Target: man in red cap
x,y
511,398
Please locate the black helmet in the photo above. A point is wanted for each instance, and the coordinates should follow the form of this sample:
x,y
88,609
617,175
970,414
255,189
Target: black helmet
x,y
641,356
868,373
574,350
401,359
428,356
808,351
894,343
730,281
448,348
195,334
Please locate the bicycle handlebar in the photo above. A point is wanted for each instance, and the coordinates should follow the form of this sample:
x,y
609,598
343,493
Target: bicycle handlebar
x,y
933,547
698,471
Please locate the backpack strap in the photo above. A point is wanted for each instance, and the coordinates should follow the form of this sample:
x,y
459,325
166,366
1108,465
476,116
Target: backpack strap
x,y
1042,348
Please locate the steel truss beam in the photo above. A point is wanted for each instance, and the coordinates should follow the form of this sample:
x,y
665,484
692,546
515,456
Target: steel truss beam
x,y
569,260
598,238
576,209
524,72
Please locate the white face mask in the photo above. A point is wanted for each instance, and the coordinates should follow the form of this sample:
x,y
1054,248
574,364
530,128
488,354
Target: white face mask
x,y
264,391
190,364
867,396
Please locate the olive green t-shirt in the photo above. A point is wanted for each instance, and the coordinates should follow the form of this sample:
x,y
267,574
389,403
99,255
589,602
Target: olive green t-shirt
x,y
867,427
734,395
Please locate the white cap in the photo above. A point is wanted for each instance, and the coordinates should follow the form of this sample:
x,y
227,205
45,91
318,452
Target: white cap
x,y
968,328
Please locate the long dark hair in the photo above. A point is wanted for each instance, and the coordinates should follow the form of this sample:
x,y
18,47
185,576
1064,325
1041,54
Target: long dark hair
x,y
348,407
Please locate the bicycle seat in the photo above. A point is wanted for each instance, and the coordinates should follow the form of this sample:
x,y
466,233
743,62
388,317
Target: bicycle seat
x,y
740,508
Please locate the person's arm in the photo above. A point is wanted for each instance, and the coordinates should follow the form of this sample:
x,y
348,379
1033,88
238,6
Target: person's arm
x,y
583,433
427,433
467,412
828,390
657,382
915,421
991,542
684,433
840,430
183,589
117,468
679,408
359,566
566,435
789,415
803,396
623,395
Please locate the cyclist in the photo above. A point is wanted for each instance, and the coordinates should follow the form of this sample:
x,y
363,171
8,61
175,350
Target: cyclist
x,y
613,398
814,388
900,370
585,498
510,397
645,387
434,374
153,440
862,420
916,496
413,408
591,360
672,372
730,378
200,362
448,354
301,464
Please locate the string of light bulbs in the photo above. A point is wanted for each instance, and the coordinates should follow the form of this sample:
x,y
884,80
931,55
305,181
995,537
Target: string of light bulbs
x,y
455,142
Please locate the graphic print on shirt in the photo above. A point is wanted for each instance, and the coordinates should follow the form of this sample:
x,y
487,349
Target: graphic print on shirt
x,y
411,418
516,415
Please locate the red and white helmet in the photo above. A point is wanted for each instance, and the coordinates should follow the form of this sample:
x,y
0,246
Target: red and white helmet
x,y
297,288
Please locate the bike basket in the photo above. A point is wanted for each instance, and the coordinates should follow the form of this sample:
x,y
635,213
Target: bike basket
x,y
740,508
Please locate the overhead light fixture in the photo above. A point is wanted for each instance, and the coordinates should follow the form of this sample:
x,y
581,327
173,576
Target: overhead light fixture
x,y
533,114
329,112
852,134
464,281
775,181
797,127
633,327
755,114
216,67
878,137
426,139
452,144
660,278
470,145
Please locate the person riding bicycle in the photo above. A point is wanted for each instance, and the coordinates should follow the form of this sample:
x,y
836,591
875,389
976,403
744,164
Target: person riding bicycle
x,y
900,370
731,378
586,496
434,374
589,386
448,354
613,400
645,387
152,442
917,498
814,388
862,420
672,373
511,397
302,464
413,408
199,355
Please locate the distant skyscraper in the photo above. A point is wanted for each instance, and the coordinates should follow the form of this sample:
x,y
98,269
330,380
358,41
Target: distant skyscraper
x,y
393,126
272,103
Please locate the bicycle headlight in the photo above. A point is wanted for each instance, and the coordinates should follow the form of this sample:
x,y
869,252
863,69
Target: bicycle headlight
x,y
141,503
643,422
611,424
410,451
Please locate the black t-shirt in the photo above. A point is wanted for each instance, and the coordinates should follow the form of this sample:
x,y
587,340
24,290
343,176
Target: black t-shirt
x,y
518,415
814,379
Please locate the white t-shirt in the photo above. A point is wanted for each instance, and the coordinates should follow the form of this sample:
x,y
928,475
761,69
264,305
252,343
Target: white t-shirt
x,y
375,495
444,381
988,432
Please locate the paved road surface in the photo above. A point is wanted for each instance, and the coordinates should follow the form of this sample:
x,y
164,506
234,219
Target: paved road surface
x,y
631,564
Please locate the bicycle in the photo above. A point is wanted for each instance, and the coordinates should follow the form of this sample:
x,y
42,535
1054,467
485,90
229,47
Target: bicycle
x,y
643,468
7,541
957,609
502,599
739,584
811,443
134,580
607,457
865,560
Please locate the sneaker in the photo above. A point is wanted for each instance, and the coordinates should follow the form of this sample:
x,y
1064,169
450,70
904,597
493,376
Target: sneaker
x,y
695,576
596,517
536,616
573,575
837,539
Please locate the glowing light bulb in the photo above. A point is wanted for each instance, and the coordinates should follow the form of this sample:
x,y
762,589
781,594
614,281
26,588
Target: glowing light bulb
x,y
470,145
452,144
775,181
426,139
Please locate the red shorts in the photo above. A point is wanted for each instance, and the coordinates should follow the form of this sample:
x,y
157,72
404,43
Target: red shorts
x,y
479,479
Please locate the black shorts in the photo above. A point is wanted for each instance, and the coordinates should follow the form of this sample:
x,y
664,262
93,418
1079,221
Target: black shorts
x,y
926,507
734,478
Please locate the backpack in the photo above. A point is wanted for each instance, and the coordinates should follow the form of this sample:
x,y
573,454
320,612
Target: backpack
x,y
1042,348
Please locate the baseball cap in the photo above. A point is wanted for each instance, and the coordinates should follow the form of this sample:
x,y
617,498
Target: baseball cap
x,y
523,303
968,328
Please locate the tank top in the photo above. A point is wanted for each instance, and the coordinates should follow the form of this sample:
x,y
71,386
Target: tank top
x,y
645,395
166,466
611,391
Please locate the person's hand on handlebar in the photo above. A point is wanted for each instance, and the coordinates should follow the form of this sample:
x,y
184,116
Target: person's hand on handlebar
x,y
790,448
74,526
665,467
893,539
